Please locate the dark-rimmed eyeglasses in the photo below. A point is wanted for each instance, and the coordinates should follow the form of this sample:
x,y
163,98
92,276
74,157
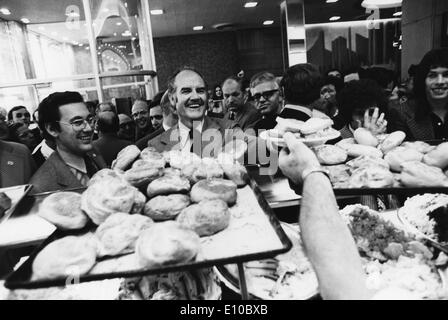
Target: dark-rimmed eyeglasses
x,y
266,95
157,117
80,124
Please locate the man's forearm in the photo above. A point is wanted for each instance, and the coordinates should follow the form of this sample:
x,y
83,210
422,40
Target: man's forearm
x,y
328,242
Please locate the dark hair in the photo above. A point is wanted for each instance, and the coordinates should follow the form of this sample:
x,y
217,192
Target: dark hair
x,y
433,59
171,80
14,109
360,95
338,83
12,129
301,84
49,109
108,122
334,69
214,96
381,75
156,100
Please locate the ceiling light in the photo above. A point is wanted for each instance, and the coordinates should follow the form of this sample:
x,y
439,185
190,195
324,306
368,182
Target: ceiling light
x,y
198,28
25,20
250,4
5,11
119,23
156,12
381,4
115,34
332,1
335,18
80,45
397,14
127,33
133,38
87,48
268,22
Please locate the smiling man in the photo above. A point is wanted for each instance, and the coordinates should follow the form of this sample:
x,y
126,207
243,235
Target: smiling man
x,y
426,116
65,119
140,114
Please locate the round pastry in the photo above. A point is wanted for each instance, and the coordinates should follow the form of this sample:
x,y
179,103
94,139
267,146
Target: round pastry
x,y
214,189
167,185
141,175
207,168
437,157
69,256
365,137
382,137
126,157
400,155
356,150
106,174
118,234
166,243
155,158
139,202
172,172
371,177
166,207
234,171
345,142
367,161
102,199
393,140
206,217
329,154
177,159
63,209
418,174
420,146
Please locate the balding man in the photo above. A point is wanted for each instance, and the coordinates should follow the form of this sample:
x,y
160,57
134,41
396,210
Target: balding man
x,y
108,143
140,114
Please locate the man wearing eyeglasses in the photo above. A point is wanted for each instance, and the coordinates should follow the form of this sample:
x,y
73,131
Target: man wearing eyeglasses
x,y
140,114
65,119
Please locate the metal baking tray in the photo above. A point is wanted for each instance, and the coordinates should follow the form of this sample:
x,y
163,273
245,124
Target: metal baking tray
x,y
16,194
21,278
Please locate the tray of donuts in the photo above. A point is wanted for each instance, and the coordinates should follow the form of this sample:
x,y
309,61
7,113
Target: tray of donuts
x,y
152,213
384,164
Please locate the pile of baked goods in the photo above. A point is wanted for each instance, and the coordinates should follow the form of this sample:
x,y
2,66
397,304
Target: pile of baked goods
x,y
393,258
385,160
157,206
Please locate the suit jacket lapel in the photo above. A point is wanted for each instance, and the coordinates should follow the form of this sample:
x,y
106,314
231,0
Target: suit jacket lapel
x,y
170,138
64,177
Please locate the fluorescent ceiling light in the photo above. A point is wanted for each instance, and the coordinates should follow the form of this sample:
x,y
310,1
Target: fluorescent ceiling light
x,y
397,14
127,33
335,18
381,4
332,1
119,23
268,22
156,12
25,20
198,28
5,11
250,4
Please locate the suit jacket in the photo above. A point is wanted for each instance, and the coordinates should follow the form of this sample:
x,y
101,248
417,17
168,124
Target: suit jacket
x,y
346,132
170,140
54,174
16,164
143,142
109,145
246,119
403,117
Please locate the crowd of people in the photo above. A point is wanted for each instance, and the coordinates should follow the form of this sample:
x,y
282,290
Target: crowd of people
x,y
70,143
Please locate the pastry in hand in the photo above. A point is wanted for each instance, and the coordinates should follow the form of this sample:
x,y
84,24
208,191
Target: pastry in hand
x,y
400,155
206,217
69,256
126,157
371,177
63,209
330,155
166,207
168,185
437,157
214,189
118,234
166,243
419,174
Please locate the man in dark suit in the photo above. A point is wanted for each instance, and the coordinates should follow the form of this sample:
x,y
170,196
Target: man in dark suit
x,y
65,119
16,163
108,143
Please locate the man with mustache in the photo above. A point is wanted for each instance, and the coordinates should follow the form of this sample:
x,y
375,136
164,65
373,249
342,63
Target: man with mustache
x,y
140,114
239,112
65,120
425,116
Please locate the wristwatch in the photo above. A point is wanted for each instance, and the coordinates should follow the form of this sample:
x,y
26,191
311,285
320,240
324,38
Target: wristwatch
x,y
310,170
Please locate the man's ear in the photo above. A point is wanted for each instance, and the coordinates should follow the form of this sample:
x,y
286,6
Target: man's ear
x,y
51,130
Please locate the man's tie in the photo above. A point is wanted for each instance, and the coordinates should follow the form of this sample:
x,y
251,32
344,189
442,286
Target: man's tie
x,y
232,115
195,141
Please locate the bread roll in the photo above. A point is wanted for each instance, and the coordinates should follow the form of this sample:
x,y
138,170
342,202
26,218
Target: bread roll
x,y
172,172
177,159
63,209
437,157
418,174
205,218
365,137
344,142
392,141
102,199
118,234
106,174
367,161
168,185
207,168
214,189
155,158
141,175
69,256
371,177
420,146
356,150
166,243
329,154
400,155
166,207
235,172
126,157
339,175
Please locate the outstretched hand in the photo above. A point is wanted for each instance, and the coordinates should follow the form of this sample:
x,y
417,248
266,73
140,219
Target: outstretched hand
x,y
375,123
